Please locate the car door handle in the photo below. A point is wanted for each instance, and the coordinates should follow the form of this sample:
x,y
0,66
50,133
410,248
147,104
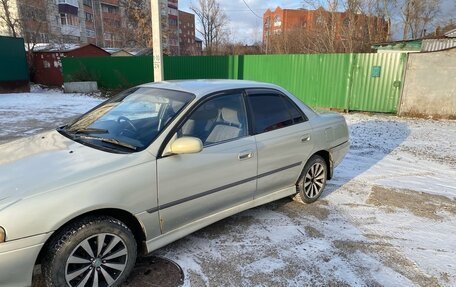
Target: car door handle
x,y
245,155
305,138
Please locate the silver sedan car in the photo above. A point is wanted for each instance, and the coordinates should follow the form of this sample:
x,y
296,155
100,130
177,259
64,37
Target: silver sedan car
x,y
150,166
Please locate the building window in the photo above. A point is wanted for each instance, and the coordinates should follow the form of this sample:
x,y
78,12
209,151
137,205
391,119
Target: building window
x,y
267,22
173,11
88,17
319,20
109,8
69,19
90,33
277,21
172,22
63,19
112,23
44,37
108,36
88,3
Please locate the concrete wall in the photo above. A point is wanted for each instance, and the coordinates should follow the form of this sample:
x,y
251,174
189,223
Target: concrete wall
x,y
430,85
80,87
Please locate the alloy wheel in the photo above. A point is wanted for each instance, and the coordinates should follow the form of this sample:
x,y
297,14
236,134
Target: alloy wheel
x,y
97,261
313,182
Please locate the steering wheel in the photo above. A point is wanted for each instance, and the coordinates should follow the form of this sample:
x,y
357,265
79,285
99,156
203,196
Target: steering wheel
x,y
122,120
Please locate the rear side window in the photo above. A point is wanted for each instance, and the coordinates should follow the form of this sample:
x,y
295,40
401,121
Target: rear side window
x,y
296,114
272,111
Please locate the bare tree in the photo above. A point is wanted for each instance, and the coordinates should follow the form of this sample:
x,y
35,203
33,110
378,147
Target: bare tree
x,y
416,16
137,31
213,22
8,18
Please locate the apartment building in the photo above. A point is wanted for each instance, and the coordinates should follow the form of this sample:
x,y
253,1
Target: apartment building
x,y
103,22
33,25
66,21
280,20
187,39
100,22
172,28
88,21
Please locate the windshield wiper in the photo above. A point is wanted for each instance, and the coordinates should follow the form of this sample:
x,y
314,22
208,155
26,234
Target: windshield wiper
x,y
90,131
108,140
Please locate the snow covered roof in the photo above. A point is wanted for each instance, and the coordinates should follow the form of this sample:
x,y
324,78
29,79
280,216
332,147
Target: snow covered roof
x,y
451,34
133,51
50,47
53,47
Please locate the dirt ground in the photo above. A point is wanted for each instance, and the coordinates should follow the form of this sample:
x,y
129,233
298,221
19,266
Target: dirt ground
x,y
387,218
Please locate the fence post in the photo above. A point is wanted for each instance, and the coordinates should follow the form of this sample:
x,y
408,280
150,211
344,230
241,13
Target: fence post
x,y
240,73
350,76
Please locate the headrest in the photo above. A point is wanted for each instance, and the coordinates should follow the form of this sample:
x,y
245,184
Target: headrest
x,y
230,115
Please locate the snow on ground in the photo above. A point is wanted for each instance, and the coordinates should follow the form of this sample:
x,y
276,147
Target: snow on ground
x,y
388,217
24,114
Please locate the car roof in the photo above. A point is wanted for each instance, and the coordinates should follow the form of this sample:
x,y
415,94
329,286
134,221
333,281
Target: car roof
x,y
200,88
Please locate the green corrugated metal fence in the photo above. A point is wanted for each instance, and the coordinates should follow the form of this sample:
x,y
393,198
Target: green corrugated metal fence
x,y
376,94
320,80
13,64
365,82
109,72
203,67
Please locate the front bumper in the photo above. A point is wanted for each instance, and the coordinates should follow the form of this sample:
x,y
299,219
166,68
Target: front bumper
x,y
17,260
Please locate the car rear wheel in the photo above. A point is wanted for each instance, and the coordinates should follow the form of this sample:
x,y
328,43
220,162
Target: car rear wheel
x,y
312,181
96,251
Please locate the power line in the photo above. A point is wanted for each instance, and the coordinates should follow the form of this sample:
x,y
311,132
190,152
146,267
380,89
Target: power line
x,y
251,9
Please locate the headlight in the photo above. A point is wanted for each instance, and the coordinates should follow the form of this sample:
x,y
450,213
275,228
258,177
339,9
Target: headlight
x,y
2,235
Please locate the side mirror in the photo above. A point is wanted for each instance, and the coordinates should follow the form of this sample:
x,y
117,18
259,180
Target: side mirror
x,y
185,145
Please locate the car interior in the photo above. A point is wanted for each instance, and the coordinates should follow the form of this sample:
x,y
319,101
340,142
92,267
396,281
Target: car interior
x,y
216,121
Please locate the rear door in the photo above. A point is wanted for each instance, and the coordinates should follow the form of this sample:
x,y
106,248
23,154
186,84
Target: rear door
x,y
222,175
283,137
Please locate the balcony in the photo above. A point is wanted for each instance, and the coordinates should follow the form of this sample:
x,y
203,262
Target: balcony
x,y
71,30
74,3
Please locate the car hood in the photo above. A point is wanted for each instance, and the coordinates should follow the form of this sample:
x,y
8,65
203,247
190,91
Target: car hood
x,y
50,161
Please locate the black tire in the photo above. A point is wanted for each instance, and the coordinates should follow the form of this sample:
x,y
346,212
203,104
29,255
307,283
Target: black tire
x,y
312,181
69,243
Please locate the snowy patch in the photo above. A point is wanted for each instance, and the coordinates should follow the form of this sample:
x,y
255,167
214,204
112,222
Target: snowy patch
x,y
25,114
388,217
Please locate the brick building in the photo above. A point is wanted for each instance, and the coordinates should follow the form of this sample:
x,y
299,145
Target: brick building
x,y
173,27
278,21
187,39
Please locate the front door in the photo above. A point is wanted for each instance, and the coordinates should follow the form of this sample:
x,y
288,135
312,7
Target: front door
x,y
222,175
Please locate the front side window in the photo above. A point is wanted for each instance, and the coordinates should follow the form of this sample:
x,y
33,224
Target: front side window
x,y
129,121
217,120
271,111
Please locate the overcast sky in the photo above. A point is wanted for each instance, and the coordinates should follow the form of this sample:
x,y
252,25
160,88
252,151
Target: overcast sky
x,y
247,28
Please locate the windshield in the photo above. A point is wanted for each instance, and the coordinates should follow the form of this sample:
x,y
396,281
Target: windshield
x,y
129,121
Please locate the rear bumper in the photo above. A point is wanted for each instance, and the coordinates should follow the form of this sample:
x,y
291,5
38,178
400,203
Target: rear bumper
x,y
338,153
17,260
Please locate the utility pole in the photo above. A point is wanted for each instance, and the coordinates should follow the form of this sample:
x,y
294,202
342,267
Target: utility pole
x,y
157,46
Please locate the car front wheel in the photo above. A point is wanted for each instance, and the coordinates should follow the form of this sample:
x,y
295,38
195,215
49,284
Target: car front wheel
x,y
313,180
95,251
